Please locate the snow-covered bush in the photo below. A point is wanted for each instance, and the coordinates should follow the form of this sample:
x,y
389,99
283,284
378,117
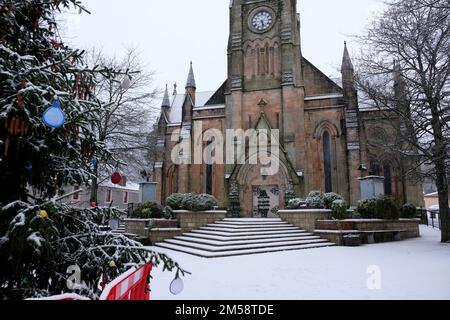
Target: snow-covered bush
x,y
315,199
367,208
39,243
148,210
383,207
175,201
387,208
408,211
339,208
329,198
295,203
199,202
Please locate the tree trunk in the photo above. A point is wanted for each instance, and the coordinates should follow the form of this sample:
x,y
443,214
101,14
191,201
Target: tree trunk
x,y
442,186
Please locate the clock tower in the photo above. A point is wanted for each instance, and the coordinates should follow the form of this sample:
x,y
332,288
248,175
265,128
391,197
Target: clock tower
x,y
265,65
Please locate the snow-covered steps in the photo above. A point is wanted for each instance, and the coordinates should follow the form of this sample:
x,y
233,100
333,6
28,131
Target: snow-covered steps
x,y
233,237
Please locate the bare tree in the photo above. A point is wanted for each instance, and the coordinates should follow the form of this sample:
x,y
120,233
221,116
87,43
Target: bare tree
x,y
416,34
127,113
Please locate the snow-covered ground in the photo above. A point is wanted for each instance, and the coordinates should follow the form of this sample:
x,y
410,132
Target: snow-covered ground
x,y
412,269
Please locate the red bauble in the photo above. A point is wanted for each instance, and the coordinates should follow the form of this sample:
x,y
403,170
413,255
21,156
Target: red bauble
x,y
93,204
116,177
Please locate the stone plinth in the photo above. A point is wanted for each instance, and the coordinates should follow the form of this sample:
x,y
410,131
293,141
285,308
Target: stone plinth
x,y
371,187
304,218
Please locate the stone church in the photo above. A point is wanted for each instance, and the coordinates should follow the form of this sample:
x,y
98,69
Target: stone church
x,y
324,133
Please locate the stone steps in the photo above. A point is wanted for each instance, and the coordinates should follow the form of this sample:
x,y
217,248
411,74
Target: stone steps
x,y
234,237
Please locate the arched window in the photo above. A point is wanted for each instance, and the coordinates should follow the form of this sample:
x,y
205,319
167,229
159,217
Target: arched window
x,y
209,170
387,171
327,162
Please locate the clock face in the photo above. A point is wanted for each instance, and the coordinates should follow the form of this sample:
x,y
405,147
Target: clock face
x,y
262,21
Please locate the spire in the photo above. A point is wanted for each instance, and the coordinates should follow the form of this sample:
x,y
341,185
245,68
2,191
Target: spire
x,y
346,60
166,101
190,83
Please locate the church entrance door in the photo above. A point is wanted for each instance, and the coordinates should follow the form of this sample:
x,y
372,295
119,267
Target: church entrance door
x,y
274,195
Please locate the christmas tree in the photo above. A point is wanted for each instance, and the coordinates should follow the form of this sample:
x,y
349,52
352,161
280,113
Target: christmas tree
x,y
46,142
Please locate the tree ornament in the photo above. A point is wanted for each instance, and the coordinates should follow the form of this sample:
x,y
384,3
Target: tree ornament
x,y
54,116
93,204
43,214
116,177
112,264
177,286
94,161
126,83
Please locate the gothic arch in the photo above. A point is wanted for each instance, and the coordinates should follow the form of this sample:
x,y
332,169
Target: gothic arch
x,y
172,180
326,126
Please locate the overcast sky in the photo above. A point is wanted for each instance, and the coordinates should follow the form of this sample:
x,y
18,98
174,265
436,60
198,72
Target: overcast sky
x,y
171,33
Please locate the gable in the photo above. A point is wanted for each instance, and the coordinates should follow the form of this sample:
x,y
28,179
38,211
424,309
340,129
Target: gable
x,y
316,82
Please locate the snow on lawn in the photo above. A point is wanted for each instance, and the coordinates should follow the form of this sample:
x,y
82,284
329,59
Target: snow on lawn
x,y
412,269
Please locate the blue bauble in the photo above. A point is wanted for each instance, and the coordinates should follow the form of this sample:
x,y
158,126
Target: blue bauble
x,y
54,116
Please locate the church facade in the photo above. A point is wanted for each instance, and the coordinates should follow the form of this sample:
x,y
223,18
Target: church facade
x,y
324,135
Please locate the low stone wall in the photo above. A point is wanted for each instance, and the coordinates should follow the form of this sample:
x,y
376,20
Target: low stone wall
x,y
410,225
304,218
188,220
335,231
141,227
137,226
159,235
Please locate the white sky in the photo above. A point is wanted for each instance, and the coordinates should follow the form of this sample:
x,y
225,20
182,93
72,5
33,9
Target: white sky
x,y
171,33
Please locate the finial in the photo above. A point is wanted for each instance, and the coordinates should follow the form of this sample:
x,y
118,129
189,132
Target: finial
x,y
175,89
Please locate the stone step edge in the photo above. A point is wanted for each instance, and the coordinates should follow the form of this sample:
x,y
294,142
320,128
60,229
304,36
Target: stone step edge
x,y
255,237
204,254
239,242
260,230
211,248
237,234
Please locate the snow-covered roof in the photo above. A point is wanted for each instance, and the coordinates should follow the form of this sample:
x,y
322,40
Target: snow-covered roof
x,y
130,186
434,194
176,112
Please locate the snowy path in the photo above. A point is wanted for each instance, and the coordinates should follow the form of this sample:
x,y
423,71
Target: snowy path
x,y
412,269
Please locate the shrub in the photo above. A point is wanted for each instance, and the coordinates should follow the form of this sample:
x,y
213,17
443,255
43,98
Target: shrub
x,y
408,211
329,198
367,208
383,207
148,210
315,200
295,203
175,201
339,208
387,208
199,202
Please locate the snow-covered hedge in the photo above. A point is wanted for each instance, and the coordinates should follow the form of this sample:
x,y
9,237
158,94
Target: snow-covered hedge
x,y
408,211
295,203
199,202
330,197
316,200
339,208
175,201
383,207
148,210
